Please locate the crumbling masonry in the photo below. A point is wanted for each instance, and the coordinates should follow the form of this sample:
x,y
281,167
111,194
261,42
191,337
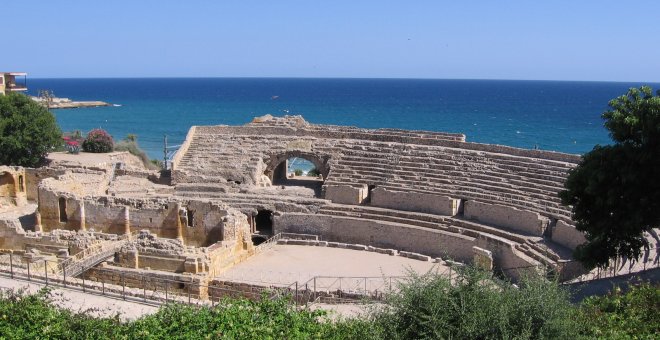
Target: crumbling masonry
x,y
414,191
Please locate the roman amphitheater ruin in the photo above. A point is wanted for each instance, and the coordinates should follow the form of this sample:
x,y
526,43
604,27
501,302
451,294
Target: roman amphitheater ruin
x,y
229,195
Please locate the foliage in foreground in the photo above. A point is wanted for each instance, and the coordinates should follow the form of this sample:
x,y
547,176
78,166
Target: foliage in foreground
x,y
427,307
634,315
28,131
478,307
614,191
34,316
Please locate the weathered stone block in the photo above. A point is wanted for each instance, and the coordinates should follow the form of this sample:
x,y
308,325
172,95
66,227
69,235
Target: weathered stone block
x,y
414,201
523,221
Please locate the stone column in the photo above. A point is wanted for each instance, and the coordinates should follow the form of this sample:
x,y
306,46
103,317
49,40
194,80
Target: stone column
x,y
83,224
127,222
37,222
179,225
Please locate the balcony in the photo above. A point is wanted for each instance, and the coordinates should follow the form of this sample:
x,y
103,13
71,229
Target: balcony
x,y
13,84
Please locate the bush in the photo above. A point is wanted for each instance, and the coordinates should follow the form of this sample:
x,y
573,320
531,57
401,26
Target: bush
x,y
28,131
477,306
634,315
98,141
313,173
298,172
130,144
34,316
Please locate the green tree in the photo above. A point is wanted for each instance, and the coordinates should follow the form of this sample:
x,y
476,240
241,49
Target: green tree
x,y
28,131
615,190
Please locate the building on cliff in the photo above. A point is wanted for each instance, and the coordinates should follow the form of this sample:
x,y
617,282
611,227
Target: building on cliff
x,y
9,83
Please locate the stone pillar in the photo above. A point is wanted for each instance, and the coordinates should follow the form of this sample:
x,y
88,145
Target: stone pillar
x,y
179,225
127,222
482,258
37,222
83,224
132,259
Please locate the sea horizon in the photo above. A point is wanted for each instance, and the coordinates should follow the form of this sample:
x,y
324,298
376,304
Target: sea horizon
x,y
554,115
346,78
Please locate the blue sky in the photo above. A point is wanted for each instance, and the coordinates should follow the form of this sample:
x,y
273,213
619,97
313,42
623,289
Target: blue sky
x,y
554,40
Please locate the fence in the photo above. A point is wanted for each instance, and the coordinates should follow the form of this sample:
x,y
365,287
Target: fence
x,y
136,285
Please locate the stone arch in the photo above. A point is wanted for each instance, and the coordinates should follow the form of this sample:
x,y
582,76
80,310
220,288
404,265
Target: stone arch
x,y
319,161
7,185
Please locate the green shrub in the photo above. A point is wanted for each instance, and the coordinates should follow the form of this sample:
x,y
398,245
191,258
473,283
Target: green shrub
x,y
130,144
313,173
298,172
98,141
633,315
477,306
34,316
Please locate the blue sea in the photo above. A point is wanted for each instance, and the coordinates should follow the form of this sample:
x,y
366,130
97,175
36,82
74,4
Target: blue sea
x,y
550,115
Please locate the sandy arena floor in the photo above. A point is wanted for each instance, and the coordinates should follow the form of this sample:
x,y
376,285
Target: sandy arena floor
x,y
285,264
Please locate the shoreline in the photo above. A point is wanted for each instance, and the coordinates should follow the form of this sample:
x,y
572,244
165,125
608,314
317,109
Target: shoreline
x,y
66,103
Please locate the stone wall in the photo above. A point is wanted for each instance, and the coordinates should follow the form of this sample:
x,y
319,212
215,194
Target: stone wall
x,y
12,186
436,243
34,176
345,194
522,221
174,283
566,235
414,201
183,149
210,222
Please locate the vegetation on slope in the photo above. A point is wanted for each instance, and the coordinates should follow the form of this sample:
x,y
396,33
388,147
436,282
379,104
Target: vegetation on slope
x,y
130,144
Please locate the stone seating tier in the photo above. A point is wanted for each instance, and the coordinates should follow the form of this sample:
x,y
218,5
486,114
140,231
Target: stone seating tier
x,y
447,224
468,173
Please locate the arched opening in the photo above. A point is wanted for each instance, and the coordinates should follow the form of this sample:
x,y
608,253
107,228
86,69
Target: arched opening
x,y
264,223
191,216
62,205
7,185
302,172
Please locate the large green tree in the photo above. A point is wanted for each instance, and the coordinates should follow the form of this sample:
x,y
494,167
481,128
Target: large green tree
x,y
615,190
28,131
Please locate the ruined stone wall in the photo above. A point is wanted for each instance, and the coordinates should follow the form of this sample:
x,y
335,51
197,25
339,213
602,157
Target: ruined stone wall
x,y
414,201
49,208
34,176
522,221
566,235
174,283
430,242
12,235
12,186
506,258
